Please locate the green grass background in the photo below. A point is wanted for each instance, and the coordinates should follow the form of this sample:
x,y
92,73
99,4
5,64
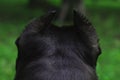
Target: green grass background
x,y
104,14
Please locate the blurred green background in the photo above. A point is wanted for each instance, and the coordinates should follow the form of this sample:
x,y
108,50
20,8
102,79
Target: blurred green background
x,y
104,14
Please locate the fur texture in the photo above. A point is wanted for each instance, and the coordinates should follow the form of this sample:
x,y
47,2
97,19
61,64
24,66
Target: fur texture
x,y
48,52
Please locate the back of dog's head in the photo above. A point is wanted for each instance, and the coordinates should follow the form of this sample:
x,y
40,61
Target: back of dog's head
x,y
48,52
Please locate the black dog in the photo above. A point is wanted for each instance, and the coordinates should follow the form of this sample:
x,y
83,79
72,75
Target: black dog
x,y
48,52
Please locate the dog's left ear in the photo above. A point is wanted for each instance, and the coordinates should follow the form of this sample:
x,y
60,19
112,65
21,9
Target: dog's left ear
x,y
41,22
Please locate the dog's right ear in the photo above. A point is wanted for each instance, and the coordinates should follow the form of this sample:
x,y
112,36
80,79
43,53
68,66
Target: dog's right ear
x,y
86,29
87,33
41,22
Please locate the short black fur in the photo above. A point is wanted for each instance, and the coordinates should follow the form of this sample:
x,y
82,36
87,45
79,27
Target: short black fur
x,y
48,52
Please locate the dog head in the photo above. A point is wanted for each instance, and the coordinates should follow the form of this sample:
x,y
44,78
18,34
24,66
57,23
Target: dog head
x,y
44,43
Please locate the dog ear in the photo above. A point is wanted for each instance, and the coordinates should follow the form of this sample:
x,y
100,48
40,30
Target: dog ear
x,y
87,33
41,22
86,29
